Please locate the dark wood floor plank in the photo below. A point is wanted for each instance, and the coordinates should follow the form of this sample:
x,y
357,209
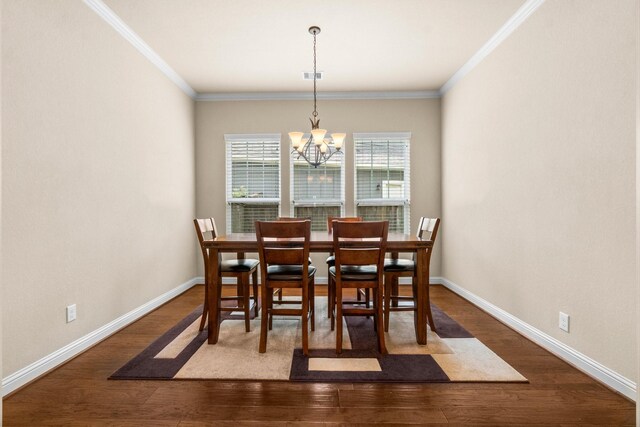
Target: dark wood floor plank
x,y
78,393
330,415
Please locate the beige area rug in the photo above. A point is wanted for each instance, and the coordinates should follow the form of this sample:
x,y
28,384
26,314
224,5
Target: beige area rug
x,y
452,354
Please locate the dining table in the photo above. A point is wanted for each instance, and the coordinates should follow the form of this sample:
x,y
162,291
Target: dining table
x,y
321,241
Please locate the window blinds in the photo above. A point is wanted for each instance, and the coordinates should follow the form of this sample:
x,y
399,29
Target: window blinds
x,y
253,180
382,178
317,192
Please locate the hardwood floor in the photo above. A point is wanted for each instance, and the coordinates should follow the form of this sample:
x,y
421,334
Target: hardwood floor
x,y
79,393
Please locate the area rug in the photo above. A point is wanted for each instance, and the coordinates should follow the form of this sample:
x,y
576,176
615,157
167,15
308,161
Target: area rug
x,y
451,355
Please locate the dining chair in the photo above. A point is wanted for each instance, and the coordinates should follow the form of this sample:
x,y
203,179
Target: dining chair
x,y
241,268
278,292
359,249
331,260
395,267
283,247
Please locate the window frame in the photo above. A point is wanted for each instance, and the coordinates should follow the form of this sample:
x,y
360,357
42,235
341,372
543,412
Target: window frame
x,y
405,202
229,140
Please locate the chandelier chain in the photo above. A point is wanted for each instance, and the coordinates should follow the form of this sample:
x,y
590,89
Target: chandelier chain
x,y
316,150
315,108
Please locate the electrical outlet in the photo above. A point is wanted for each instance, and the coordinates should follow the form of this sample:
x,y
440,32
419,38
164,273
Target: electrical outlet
x,y
71,313
563,322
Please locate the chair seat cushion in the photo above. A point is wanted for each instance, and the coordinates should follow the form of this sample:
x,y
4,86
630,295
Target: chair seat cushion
x,y
331,261
287,272
356,272
398,265
238,265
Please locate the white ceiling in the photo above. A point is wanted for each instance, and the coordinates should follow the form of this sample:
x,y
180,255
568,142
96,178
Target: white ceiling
x,y
365,45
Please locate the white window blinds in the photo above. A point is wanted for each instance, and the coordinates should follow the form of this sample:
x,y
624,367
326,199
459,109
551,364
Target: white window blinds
x,y
253,180
382,178
317,192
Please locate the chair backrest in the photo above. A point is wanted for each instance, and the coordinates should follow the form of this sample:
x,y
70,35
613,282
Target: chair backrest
x,y
360,243
330,220
428,230
206,230
284,242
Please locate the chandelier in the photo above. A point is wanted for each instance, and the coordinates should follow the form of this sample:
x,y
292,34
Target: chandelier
x,y
317,149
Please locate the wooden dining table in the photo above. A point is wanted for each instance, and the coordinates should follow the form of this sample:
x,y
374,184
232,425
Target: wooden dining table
x,y
321,241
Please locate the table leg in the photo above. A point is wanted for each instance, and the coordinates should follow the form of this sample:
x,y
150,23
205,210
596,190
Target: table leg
x,y
214,295
421,310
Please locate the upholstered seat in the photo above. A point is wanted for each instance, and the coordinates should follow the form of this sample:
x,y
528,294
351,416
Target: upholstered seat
x,y
238,265
331,260
399,264
356,272
287,272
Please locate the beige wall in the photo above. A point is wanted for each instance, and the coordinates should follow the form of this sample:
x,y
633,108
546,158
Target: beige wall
x,y
539,173
1,286
638,208
420,117
97,178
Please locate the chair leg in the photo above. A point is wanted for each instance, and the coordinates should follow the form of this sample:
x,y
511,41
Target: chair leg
x,y
414,290
255,291
374,304
329,295
312,302
378,317
265,318
429,315
240,291
205,309
270,315
332,302
245,299
338,318
387,300
395,291
305,320
280,295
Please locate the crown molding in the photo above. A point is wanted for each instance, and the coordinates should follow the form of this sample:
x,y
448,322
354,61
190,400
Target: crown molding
x,y
509,27
294,96
110,17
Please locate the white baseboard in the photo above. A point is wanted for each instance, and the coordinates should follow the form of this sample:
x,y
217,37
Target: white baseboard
x,y
51,361
587,365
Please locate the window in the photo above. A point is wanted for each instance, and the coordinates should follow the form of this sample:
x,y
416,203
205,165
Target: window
x,y
382,177
253,180
317,193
